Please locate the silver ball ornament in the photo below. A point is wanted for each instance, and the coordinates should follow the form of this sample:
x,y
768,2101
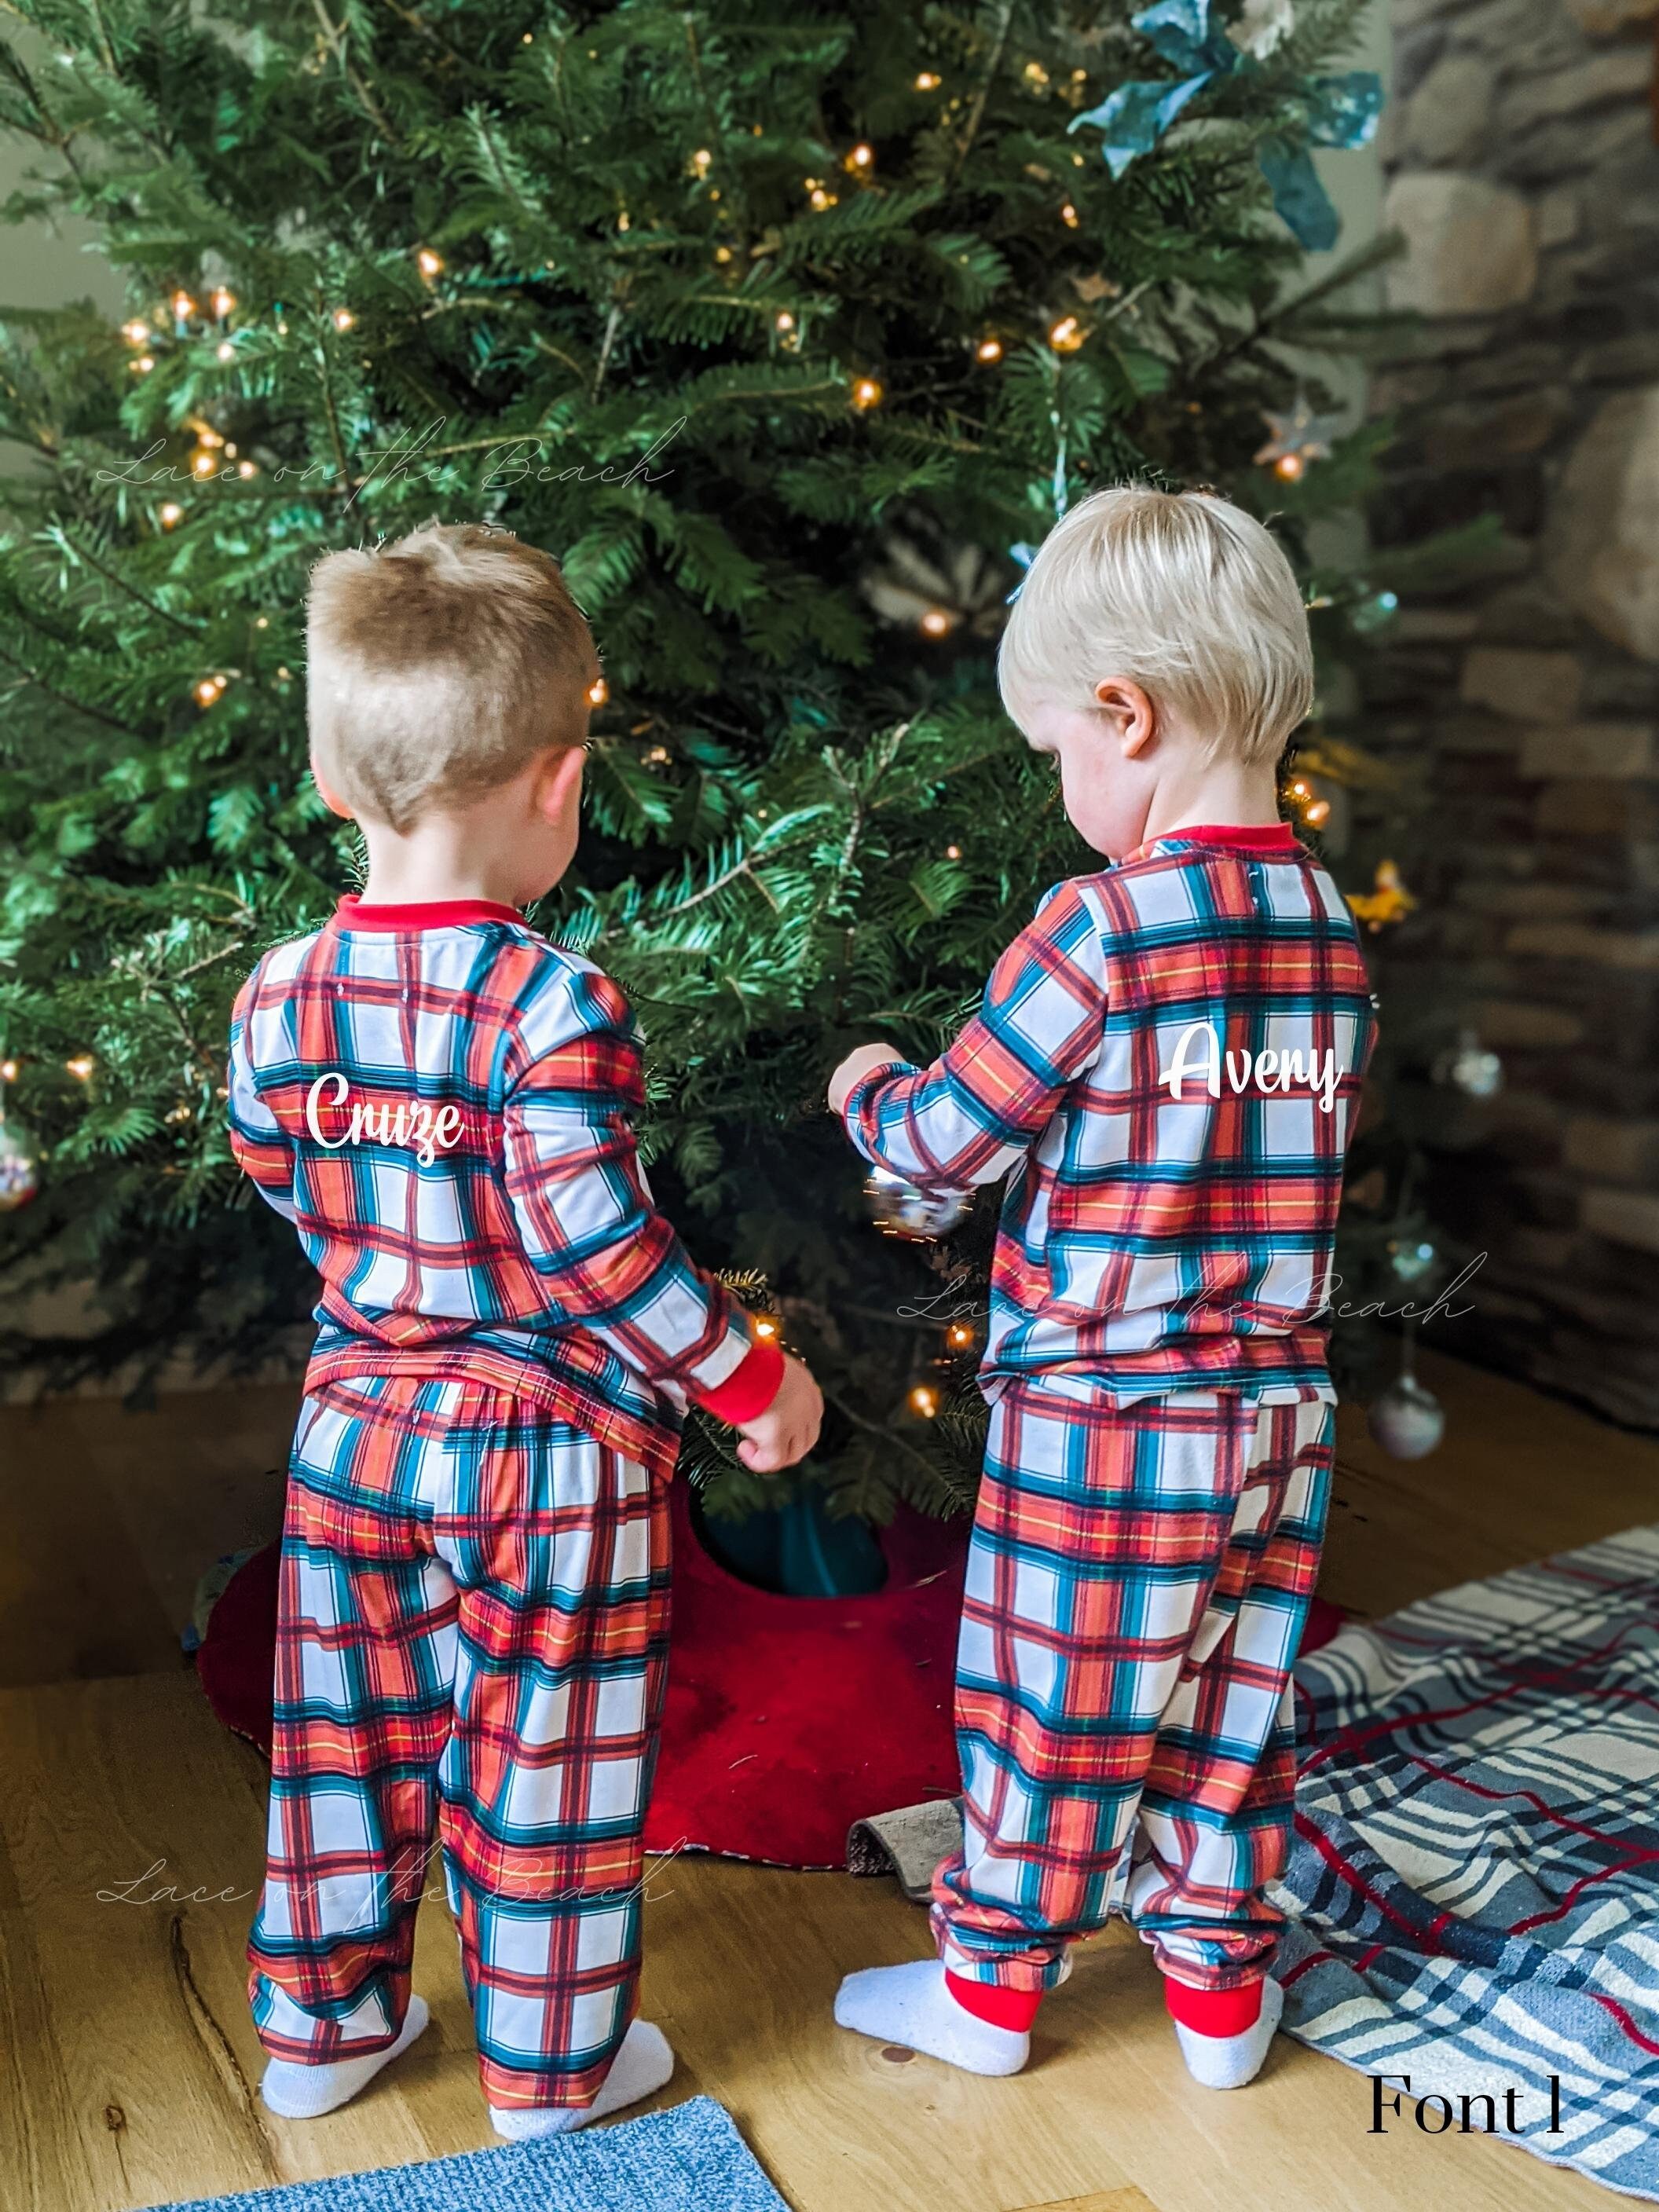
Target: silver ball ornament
x,y
20,1170
1407,1420
899,1209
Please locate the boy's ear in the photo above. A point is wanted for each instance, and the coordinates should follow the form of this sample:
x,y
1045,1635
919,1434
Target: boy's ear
x,y
559,783
1129,713
333,804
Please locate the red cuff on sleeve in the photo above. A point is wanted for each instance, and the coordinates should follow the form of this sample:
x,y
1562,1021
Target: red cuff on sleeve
x,y
748,1390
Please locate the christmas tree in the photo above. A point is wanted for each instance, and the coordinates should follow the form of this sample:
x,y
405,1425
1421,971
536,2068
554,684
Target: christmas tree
x,y
789,332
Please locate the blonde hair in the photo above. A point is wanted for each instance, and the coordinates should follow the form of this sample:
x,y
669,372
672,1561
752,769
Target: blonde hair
x,y
1182,592
440,666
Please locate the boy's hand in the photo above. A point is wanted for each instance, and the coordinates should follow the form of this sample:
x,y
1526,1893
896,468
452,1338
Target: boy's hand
x,y
789,1429
862,1060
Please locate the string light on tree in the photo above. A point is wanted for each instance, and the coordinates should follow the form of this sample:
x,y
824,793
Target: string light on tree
x,y
210,689
81,1067
183,308
923,1400
224,302
171,513
343,318
429,263
928,81
135,333
959,1336
1069,216
936,623
1067,335
866,394
988,349
598,691
861,160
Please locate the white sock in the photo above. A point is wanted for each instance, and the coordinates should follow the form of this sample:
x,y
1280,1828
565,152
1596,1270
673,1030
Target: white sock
x,y
911,2005
642,2064
297,2091
1228,2061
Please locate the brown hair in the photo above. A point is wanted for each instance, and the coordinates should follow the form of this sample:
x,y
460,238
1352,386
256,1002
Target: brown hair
x,y
440,666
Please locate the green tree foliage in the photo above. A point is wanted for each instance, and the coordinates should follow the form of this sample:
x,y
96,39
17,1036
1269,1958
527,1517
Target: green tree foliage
x,y
782,327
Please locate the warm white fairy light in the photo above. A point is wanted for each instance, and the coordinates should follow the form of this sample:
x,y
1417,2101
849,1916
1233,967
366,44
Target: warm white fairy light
x,y
784,322
928,81
936,623
988,349
143,365
8,1071
343,319
223,302
953,851
225,351
261,622
183,306
700,161
866,394
1069,216
766,1329
722,254
135,333
429,263
598,692
1067,335
924,1399
246,469
171,512
861,160
959,1336
80,1065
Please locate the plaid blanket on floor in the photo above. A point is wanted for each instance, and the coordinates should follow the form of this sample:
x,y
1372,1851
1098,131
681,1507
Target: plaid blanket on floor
x,y
1475,1887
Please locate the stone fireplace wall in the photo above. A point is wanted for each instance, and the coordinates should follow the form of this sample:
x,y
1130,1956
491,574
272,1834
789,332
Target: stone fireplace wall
x,y
1522,169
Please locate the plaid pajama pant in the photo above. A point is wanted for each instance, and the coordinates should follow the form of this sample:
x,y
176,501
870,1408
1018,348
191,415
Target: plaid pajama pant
x,y
473,1635
1137,1586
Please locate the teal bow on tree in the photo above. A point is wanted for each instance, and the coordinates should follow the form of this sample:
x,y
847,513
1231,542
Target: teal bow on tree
x,y
1341,111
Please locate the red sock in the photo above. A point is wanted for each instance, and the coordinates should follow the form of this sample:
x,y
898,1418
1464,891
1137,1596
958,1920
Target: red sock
x,y
1213,2011
989,2000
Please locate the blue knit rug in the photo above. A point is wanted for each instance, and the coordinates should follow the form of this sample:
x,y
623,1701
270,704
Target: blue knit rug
x,y
690,2160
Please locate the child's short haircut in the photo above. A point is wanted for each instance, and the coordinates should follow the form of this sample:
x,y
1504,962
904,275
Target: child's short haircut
x,y
438,667
1181,592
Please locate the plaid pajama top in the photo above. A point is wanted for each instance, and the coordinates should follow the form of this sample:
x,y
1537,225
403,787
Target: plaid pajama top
x,y
441,1102
1142,1060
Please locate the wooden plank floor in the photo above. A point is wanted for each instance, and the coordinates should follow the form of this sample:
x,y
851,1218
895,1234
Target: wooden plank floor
x,y
131,1830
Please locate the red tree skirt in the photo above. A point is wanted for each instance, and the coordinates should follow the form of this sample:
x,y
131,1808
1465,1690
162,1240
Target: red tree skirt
x,y
787,1719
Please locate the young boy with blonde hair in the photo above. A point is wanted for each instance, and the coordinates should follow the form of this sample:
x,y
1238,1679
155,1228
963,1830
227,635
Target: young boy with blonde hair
x,y
474,1600
1168,1059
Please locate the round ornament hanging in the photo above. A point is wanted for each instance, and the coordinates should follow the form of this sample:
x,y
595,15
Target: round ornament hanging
x,y
1407,1420
20,1167
899,1209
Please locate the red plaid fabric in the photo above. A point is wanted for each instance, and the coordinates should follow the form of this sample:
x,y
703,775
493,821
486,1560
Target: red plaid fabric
x,y
442,1102
1137,1585
473,1638
1168,1057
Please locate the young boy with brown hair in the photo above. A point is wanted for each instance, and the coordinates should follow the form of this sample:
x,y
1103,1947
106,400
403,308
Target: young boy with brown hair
x,y
474,1599
1168,1059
